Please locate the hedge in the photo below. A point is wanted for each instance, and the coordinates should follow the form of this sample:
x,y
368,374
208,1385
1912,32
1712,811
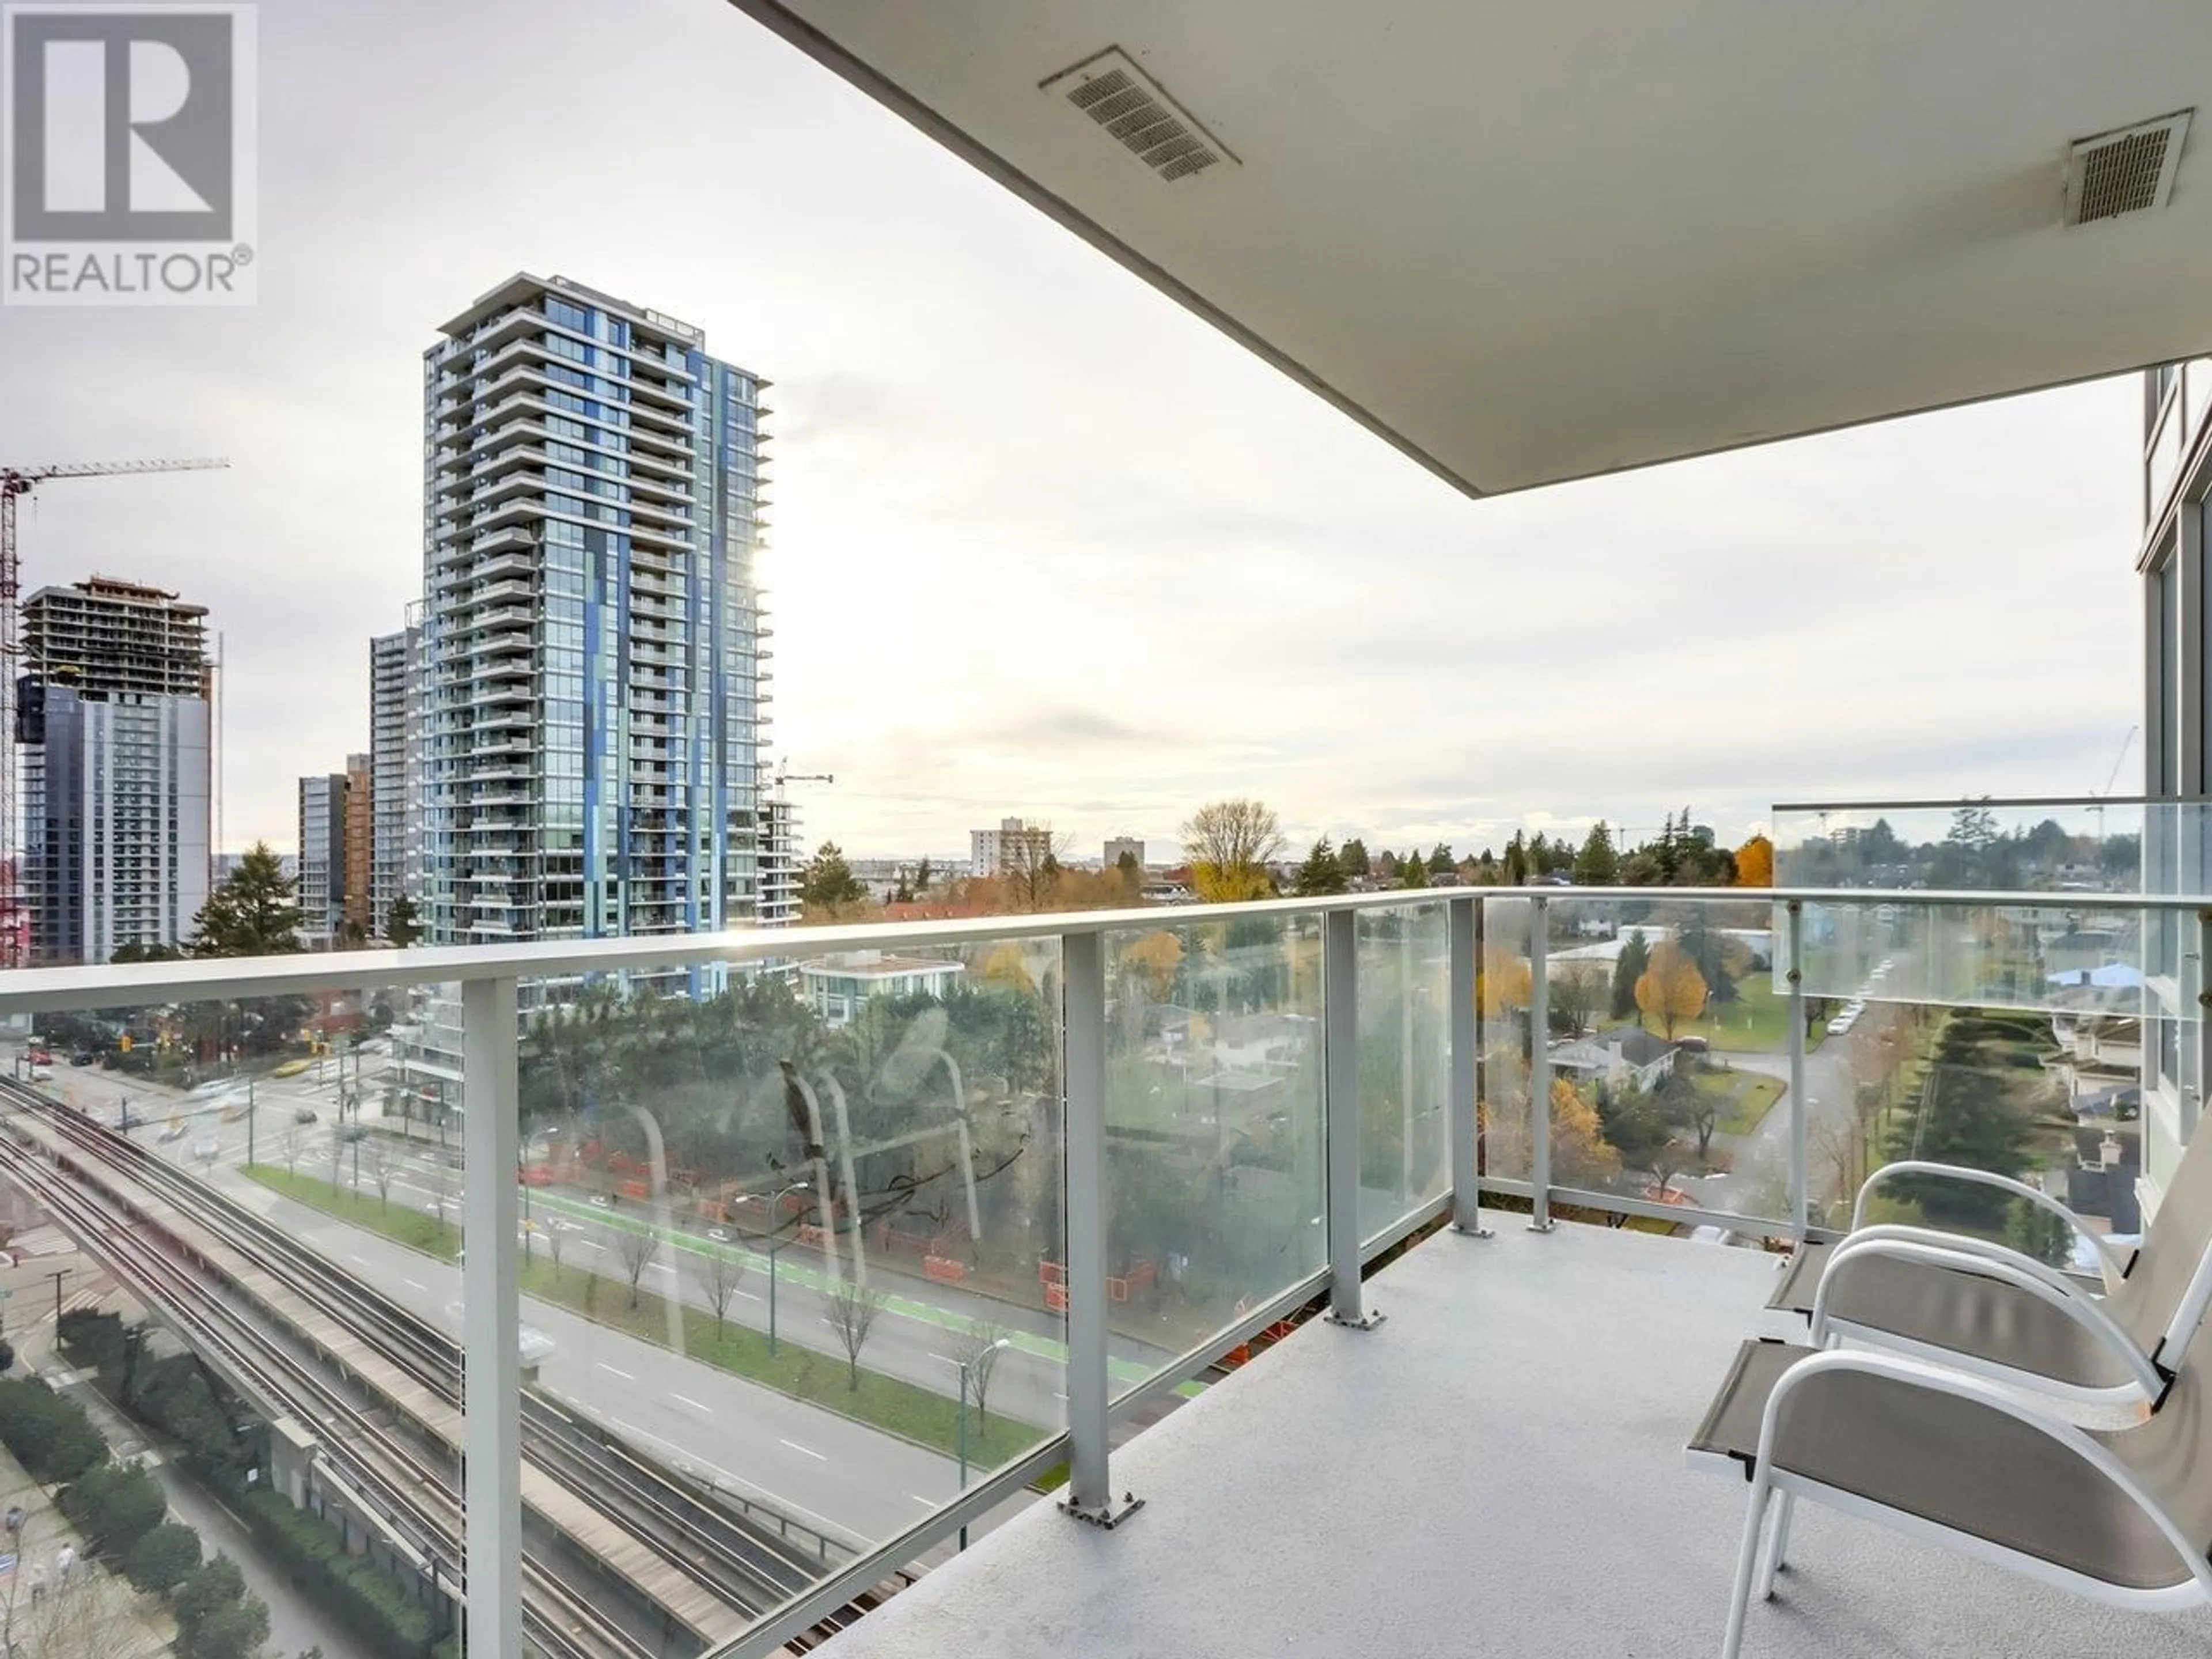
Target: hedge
x,y
361,1593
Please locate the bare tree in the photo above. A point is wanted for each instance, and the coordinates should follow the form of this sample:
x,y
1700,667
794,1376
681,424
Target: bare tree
x,y
78,1622
556,1235
381,1168
718,1272
638,1250
852,1310
1577,994
439,1196
1838,1143
294,1141
978,1350
1030,862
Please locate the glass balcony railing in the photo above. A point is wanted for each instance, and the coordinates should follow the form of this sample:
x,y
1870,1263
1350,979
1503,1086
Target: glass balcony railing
x,y
744,1287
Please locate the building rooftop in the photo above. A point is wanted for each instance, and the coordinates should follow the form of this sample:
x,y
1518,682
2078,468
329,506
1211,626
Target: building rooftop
x,y
1496,1469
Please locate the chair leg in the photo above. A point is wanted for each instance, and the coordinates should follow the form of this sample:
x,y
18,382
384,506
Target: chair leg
x,y
1777,1541
1747,1564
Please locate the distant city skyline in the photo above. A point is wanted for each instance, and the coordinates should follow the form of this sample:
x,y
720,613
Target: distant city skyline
x,y
1045,543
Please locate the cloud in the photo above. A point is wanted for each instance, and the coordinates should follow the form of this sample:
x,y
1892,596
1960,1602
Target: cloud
x,y
1044,544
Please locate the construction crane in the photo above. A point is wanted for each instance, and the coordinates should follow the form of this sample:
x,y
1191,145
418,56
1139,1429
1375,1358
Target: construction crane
x,y
16,484
783,777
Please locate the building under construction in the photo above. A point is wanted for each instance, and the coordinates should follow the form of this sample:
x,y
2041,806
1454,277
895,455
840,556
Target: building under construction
x,y
113,718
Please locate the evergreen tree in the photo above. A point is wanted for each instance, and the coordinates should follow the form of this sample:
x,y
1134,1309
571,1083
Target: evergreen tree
x,y
1964,1118
829,882
1321,874
1539,855
401,925
1412,873
1628,967
1597,865
1351,857
1440,860
1516,861
254,913
1667,852
2033,1231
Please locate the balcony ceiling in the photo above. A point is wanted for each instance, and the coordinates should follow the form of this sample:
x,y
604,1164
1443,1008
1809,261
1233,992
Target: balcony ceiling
x,y
1527,244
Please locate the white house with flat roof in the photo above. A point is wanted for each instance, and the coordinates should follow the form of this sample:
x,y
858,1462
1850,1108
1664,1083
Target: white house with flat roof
x,y
838,984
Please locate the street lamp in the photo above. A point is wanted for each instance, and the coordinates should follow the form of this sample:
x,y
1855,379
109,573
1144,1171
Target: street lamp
x,y
775,1217
973,1359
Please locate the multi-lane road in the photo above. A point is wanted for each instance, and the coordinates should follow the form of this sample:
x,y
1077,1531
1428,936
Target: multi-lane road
x,y
824,1470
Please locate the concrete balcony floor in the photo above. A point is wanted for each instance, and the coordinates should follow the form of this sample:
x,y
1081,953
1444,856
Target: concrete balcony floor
x,y
1497,1470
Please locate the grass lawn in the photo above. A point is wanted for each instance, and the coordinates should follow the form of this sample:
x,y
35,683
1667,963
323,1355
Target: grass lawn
x,y
899,1407
416,1229
1757,1021
1744,1097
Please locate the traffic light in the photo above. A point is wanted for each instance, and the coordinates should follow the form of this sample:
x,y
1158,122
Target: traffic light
x,y
123,1043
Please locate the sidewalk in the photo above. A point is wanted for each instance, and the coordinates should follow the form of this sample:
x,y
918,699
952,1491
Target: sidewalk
x,y
92,1612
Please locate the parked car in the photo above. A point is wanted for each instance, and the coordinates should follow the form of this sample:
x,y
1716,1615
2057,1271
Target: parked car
x,y
306,1114
84,1057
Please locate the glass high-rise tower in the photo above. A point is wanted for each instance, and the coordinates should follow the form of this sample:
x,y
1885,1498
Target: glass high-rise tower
x,y
593,639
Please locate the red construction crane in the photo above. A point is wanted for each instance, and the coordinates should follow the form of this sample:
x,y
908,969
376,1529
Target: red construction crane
x,y
16,482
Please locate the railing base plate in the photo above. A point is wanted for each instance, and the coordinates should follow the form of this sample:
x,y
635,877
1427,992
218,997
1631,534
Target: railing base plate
x,y
1478,1231
1366,1322
1107,1516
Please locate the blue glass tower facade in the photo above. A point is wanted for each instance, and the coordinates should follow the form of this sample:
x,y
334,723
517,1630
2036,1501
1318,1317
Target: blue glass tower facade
x,y
592,632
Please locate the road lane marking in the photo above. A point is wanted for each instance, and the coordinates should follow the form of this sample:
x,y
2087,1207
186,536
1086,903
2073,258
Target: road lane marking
x,y
626,1377
926,1503
747,1296
818,1457
686,1400
418,1285
363,1259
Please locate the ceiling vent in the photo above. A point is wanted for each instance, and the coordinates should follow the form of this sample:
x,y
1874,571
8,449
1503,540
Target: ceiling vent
x,y
1135,110
2128,171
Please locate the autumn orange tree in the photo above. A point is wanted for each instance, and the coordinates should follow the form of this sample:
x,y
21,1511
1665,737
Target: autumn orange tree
x,y
1156,956
1581,1155
1504,984
1754,863
1672,989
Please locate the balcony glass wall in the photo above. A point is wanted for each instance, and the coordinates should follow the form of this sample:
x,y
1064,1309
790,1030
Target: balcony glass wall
x,y
773,1274
1213,1128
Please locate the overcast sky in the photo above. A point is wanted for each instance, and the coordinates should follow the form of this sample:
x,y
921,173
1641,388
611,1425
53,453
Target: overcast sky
x,y
1044,543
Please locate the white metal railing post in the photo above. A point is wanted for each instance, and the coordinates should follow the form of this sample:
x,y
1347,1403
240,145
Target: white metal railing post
x,y
1463,923
1082,1011
491,1434
2192,1091
1801,1110
1540,1065
1339,988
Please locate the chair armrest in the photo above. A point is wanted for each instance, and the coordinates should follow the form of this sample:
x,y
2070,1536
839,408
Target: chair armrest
x,y
2023,1274
2111,1268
